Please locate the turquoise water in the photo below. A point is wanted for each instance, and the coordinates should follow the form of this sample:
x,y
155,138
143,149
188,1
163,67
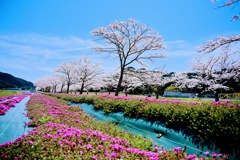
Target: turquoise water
x,y
169,139
12,123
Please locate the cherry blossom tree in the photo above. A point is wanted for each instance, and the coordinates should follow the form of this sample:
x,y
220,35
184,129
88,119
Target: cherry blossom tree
x,y
186,80
62,82
130,41
130,80
216,71
54,81
86,72
67,70
44,84
226,43
109,82
48,84
96,85
159,80
156,81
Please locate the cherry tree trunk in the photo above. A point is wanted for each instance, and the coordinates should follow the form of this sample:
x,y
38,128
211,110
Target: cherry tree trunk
x,y
68,87
82,87
61,88
119,83
216,96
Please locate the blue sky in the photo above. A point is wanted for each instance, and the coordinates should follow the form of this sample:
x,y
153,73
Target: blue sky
x,y
38,35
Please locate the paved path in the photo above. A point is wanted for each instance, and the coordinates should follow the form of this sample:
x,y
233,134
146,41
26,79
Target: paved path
x,y
12,123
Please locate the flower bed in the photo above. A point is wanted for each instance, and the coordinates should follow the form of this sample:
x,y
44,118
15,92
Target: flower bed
x,y
65,132
10,101
207,123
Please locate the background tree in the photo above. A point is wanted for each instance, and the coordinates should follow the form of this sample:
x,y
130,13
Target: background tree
x,y
43,84
67,70
62,82
130,80
109,81
160,81
54,81
155,81
216,71
131,42
186,81
96,85
86,72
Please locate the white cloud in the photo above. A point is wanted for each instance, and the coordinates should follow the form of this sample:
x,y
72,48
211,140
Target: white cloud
x,y
180,54
34,45
16,64
180,48
34,53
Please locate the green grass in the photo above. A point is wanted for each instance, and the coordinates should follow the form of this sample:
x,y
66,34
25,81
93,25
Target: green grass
x,y
4,93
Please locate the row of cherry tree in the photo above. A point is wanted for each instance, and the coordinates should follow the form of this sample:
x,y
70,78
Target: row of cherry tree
x,y
210,75
131,41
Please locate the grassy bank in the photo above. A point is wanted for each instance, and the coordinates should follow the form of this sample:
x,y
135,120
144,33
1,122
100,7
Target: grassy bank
x,y
207,123
65,132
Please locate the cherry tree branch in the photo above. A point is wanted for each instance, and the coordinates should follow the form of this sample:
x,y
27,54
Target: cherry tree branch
x,y
221,41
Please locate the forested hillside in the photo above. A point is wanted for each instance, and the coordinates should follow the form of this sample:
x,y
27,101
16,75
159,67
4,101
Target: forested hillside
x,y
9,81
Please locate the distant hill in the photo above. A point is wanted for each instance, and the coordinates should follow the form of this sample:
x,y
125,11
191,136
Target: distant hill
x,y
9,81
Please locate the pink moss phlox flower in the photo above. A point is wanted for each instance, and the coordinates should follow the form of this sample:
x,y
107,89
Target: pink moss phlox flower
x,y
56,125
30,142
150,99
106,154
11,142
94,158
88,146
100,147
5,144
80,142
206,153
34,131
223,103
191,157
49,135
219,155
214,154
225,156
117,147
65,141
114,155
116,97
9,102
60,143
149,154
177,150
